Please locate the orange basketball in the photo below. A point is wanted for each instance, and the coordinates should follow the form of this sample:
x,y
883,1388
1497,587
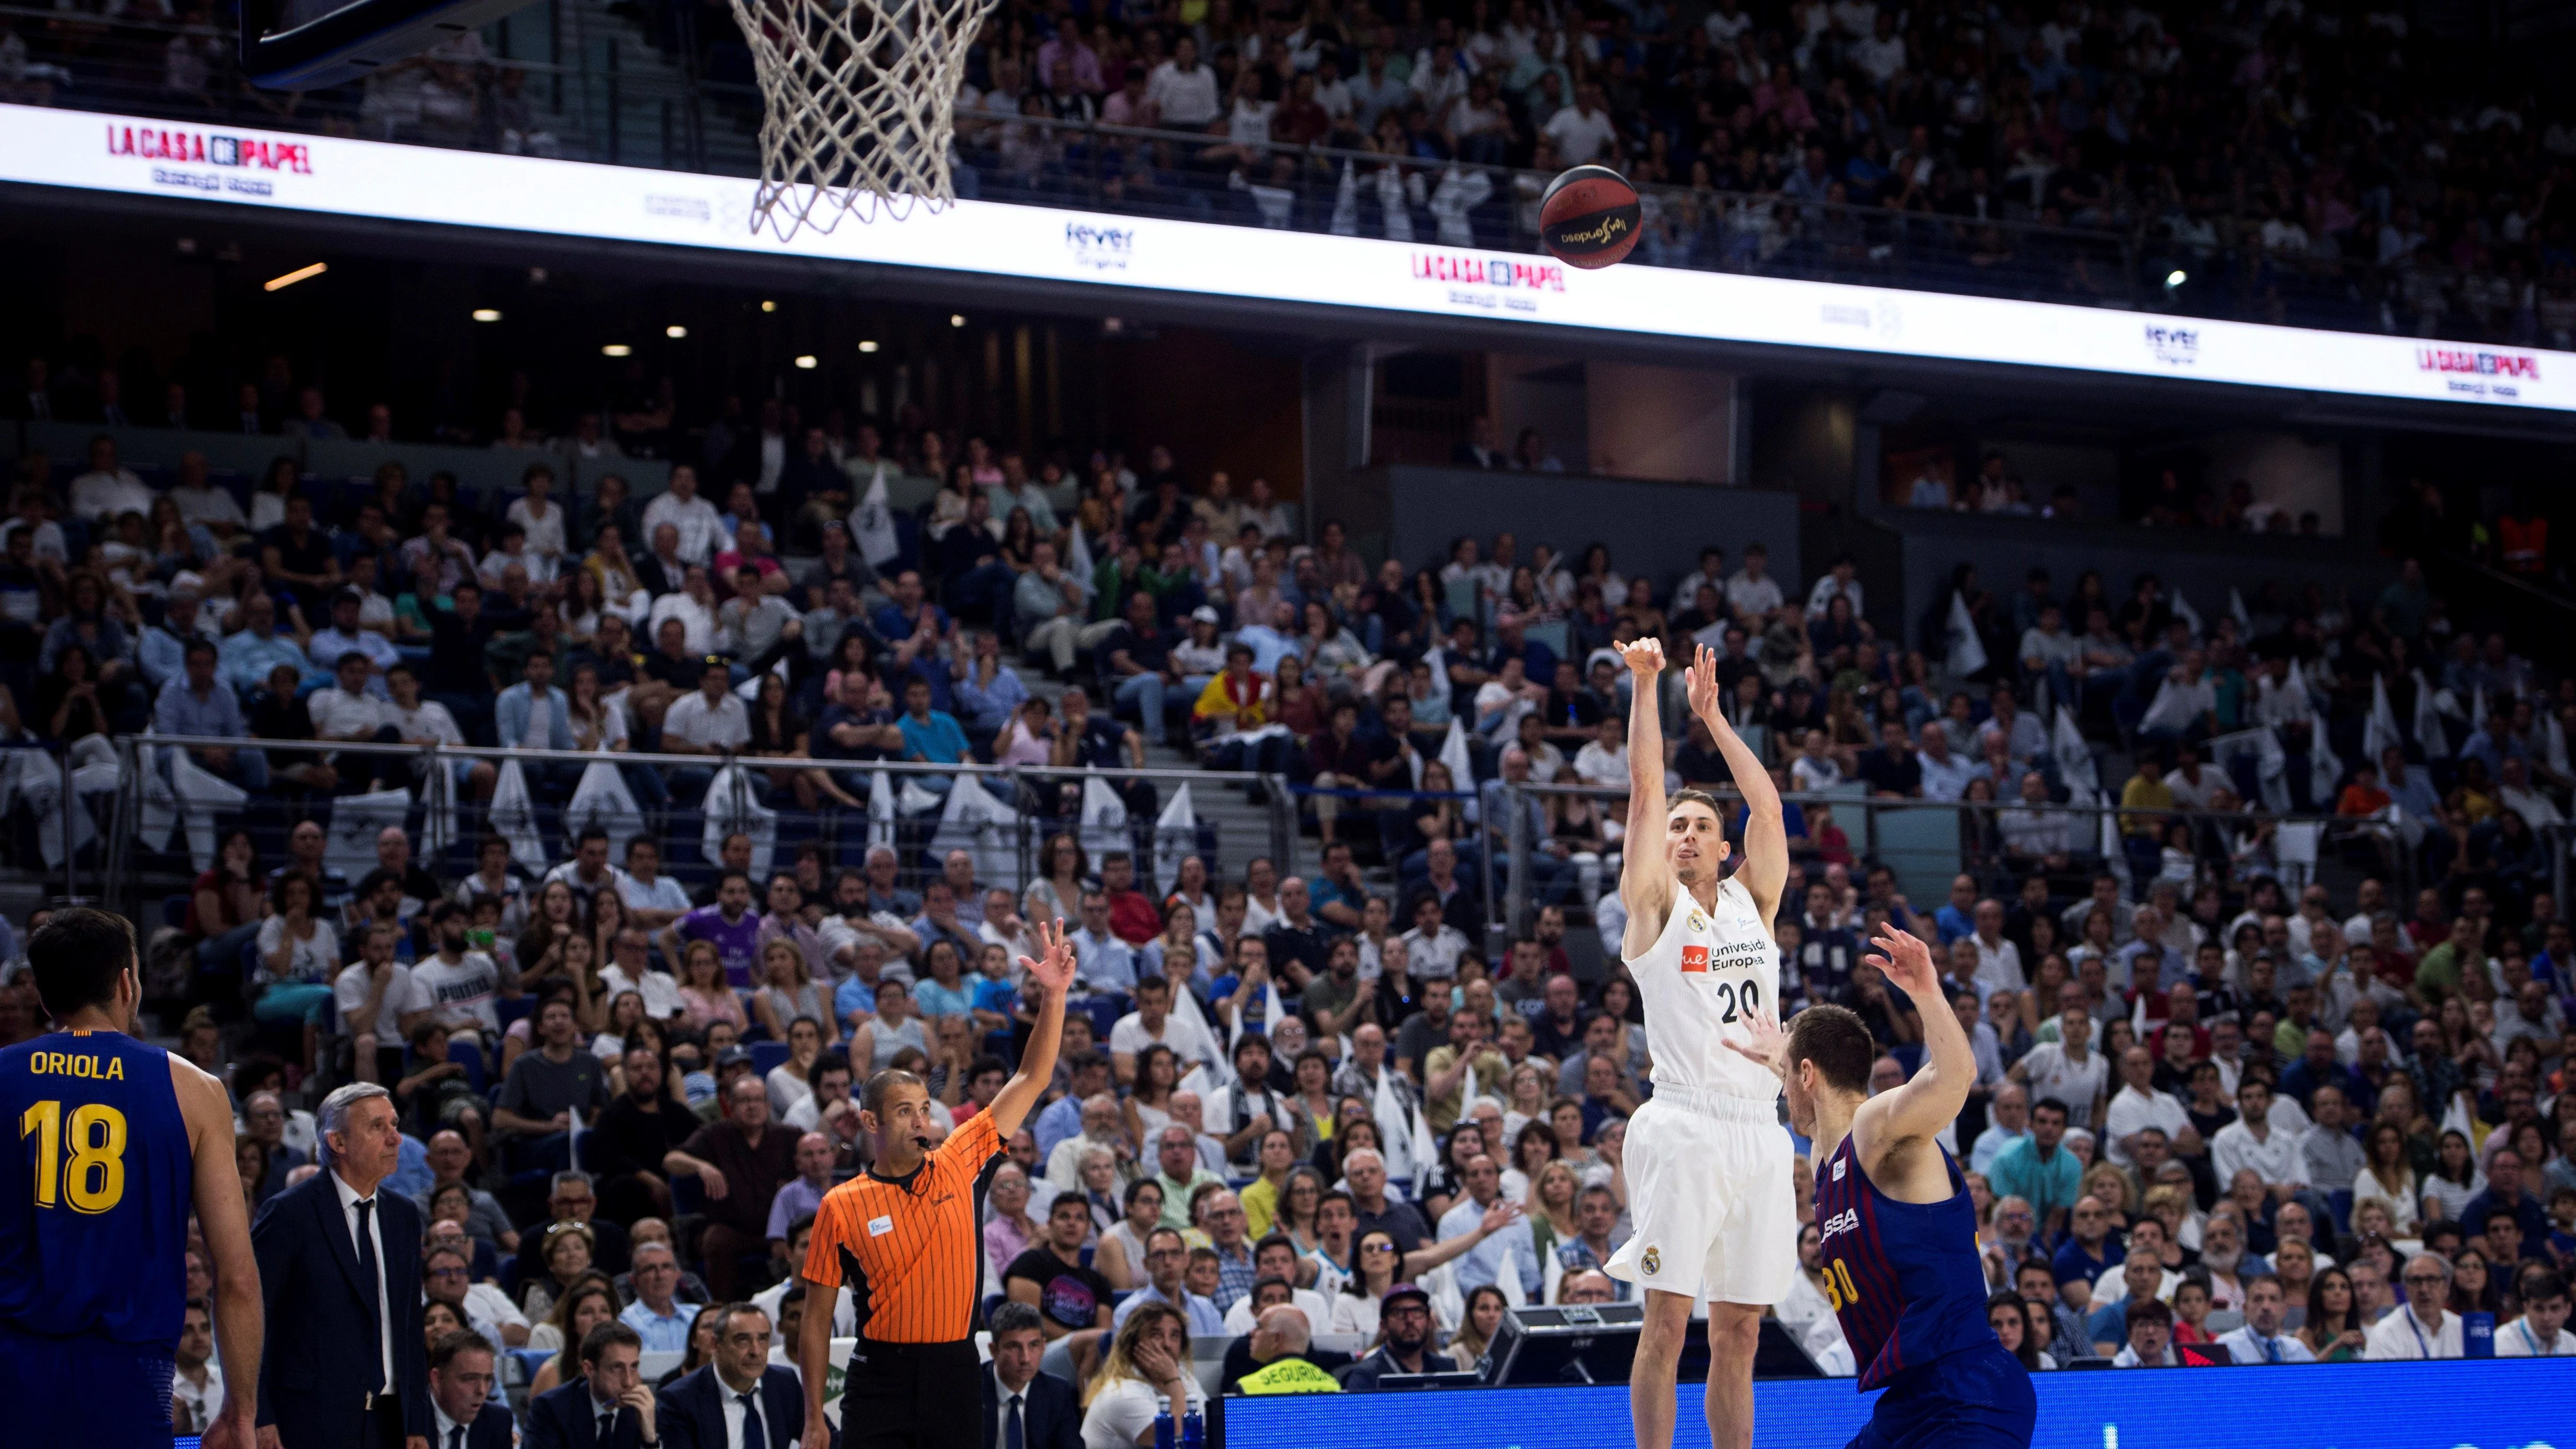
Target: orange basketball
x,y
1589,217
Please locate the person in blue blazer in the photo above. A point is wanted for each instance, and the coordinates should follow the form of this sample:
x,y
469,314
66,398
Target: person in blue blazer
x,y
737,1399
339,1268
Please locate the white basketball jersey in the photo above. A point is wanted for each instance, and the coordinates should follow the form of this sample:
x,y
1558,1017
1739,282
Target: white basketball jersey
x,y
1698,980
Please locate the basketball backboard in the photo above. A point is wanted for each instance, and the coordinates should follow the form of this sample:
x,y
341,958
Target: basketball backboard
x,y
306,44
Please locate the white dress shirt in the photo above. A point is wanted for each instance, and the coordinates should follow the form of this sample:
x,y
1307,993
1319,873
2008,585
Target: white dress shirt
x,y
735,1409
2275,1158
1003,1398
2401,1335
349,1201
2246,1346
2133,1111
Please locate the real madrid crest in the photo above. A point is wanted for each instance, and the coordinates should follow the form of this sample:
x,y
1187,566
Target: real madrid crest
x,y
1653,1261
1698,922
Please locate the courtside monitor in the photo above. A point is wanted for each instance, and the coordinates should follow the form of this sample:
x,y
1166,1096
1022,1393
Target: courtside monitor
x,y
307,44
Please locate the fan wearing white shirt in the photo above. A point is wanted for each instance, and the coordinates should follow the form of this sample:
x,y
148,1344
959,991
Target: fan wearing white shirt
x,y
682,508
2138,1106
2421,1328
2254,1141
2541,1331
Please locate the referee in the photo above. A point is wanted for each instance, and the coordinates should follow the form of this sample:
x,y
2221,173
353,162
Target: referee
x,y
905,1236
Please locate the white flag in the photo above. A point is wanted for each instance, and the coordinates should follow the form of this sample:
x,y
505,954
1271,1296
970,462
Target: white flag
x,y
2429,731
2074,759
2379,730
2236,606
1967,651
1453,753
980,825
731,805
881,809
40,782
2184,611
2325,771
602,799
1176,838
872,524
1104,817
513,817
1080,561
356,821
178,791
1386,1106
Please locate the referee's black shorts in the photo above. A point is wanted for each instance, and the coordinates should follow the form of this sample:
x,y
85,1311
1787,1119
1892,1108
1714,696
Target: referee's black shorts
x,y
913,1396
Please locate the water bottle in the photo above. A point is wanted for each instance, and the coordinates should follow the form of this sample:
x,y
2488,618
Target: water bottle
x,y
1194,1429
1164,1437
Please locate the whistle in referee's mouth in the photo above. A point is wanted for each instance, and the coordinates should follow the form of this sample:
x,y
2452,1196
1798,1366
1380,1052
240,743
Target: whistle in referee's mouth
x,y
922,1141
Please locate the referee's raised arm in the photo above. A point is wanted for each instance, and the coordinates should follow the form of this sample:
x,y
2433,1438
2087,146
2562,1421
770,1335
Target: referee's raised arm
x,y
904,1237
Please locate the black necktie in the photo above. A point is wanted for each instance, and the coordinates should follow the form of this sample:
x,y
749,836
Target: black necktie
x,y
1012,1437
753,1436
607,1421
456,1437
367,1290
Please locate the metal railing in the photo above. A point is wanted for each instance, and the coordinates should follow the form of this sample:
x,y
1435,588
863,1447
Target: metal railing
x,y
1005,840
671,115
1930,842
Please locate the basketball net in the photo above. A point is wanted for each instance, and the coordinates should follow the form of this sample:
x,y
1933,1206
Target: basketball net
x,y
859,99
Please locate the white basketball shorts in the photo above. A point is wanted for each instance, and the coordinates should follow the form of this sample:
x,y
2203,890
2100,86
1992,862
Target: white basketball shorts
x,y
1710,1198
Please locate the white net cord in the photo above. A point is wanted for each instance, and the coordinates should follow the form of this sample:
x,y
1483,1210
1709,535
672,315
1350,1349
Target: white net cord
x,y
859,98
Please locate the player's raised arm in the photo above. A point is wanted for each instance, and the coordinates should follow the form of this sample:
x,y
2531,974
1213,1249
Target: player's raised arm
x,y
1645,873
1766,838
1930,1100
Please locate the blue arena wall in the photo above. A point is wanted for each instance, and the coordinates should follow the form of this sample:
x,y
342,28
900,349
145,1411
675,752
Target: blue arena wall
x,y
2489,1404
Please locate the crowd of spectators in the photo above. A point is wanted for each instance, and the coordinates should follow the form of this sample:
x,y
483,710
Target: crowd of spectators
x,y
1315,1113
2316,164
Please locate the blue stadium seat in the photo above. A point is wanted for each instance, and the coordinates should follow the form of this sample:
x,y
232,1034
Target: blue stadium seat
x,y
1105,1011
468,1055
174,911
767,1056
511,1009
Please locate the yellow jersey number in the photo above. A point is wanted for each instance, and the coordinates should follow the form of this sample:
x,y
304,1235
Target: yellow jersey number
x,y
93,1181
1839,1292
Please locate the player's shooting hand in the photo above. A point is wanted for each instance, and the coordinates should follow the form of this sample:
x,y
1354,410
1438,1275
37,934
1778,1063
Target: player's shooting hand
x,y
1701,683
1645,657
1906,962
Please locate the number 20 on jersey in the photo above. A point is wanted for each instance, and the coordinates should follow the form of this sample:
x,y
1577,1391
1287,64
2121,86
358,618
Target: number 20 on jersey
x,y
93,1179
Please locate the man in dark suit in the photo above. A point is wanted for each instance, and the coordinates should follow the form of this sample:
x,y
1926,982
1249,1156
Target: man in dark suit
x,y
339,1267
738,1399
461,1380
608,1407
1023,1408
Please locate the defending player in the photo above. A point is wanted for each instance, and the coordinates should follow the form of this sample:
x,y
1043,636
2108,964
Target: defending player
x,y
115,1140
1709,1170
1900,1233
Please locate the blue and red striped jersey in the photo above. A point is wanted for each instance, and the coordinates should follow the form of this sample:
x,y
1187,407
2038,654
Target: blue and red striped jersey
x,y
1903,1277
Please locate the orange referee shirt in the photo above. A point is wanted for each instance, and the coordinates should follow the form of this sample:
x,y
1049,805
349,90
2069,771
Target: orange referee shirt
x,y
911,1252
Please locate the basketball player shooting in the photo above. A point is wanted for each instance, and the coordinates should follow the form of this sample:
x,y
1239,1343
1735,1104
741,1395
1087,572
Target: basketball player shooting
x,y
1900,1232
1709,1170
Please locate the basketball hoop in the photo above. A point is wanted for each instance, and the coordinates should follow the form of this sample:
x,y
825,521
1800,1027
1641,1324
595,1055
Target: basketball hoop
x,y
859,100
